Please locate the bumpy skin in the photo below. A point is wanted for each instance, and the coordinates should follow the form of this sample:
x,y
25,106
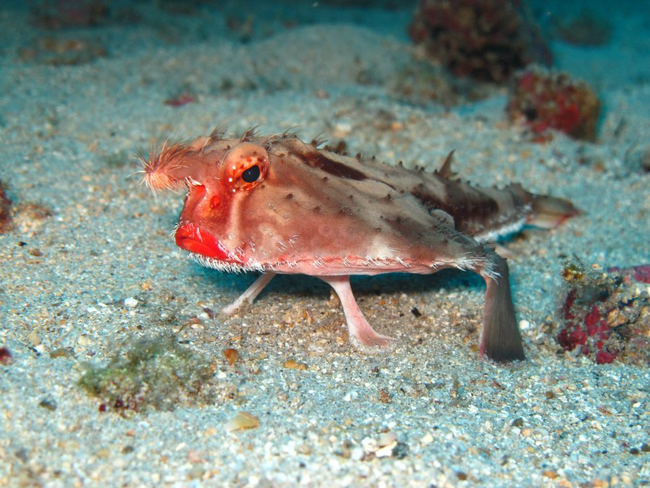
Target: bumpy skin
x,y
279,205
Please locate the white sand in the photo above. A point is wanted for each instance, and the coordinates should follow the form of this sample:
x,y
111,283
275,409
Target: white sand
x,y
68,135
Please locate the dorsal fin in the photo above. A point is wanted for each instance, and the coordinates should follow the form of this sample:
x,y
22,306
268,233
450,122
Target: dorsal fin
x,y
319,140
219,132
445,170
248,134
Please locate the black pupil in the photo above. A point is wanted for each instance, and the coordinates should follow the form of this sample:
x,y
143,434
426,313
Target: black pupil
x,y
251,174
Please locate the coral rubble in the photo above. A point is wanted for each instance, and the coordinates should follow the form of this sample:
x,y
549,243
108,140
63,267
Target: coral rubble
x,y
544,99
606,315
485,39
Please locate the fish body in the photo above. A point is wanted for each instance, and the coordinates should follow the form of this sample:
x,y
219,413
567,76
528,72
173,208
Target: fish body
x,y
279,205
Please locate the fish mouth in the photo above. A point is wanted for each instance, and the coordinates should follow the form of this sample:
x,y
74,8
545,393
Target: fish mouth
x,y
197,241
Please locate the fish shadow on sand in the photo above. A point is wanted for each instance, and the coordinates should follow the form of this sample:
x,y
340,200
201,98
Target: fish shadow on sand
x,y
301,286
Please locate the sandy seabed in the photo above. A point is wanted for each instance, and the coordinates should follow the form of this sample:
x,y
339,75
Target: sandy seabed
x,y
89,267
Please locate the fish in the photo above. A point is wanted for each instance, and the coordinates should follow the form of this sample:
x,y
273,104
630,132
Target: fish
x,y
278,205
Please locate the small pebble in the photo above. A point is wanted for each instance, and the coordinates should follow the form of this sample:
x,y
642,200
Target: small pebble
x,y
242,421
427,439
48,404
231,355
385,396
293,364
62,352
387,444
5,356
34,338
386,451
369,445
518,422
357,454
103,453
387,439
130,302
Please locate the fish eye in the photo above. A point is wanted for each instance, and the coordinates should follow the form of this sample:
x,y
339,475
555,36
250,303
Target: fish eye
x,y
246,166
252,174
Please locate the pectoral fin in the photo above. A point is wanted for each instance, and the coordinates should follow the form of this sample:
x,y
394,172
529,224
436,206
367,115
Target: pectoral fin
x,y
250,294
500,338
361,332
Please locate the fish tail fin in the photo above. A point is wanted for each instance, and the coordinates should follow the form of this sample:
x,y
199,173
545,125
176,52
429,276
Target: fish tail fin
x,y
544,211
500,338
550,212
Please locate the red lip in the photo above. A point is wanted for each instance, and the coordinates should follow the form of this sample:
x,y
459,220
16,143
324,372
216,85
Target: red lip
x,y
193,239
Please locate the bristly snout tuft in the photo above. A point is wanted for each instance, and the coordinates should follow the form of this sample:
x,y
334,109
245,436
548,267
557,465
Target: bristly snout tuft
x,y
164,170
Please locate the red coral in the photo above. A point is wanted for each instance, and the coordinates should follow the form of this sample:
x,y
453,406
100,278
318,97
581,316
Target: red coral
x,y
604,316
606,357
484,39
640,273
544,100
570,340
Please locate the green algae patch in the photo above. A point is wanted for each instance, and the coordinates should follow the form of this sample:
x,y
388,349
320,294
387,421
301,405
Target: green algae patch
x,y
149,373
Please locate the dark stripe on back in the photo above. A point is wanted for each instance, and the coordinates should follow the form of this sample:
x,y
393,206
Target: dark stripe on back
x,y
315,159
468,206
